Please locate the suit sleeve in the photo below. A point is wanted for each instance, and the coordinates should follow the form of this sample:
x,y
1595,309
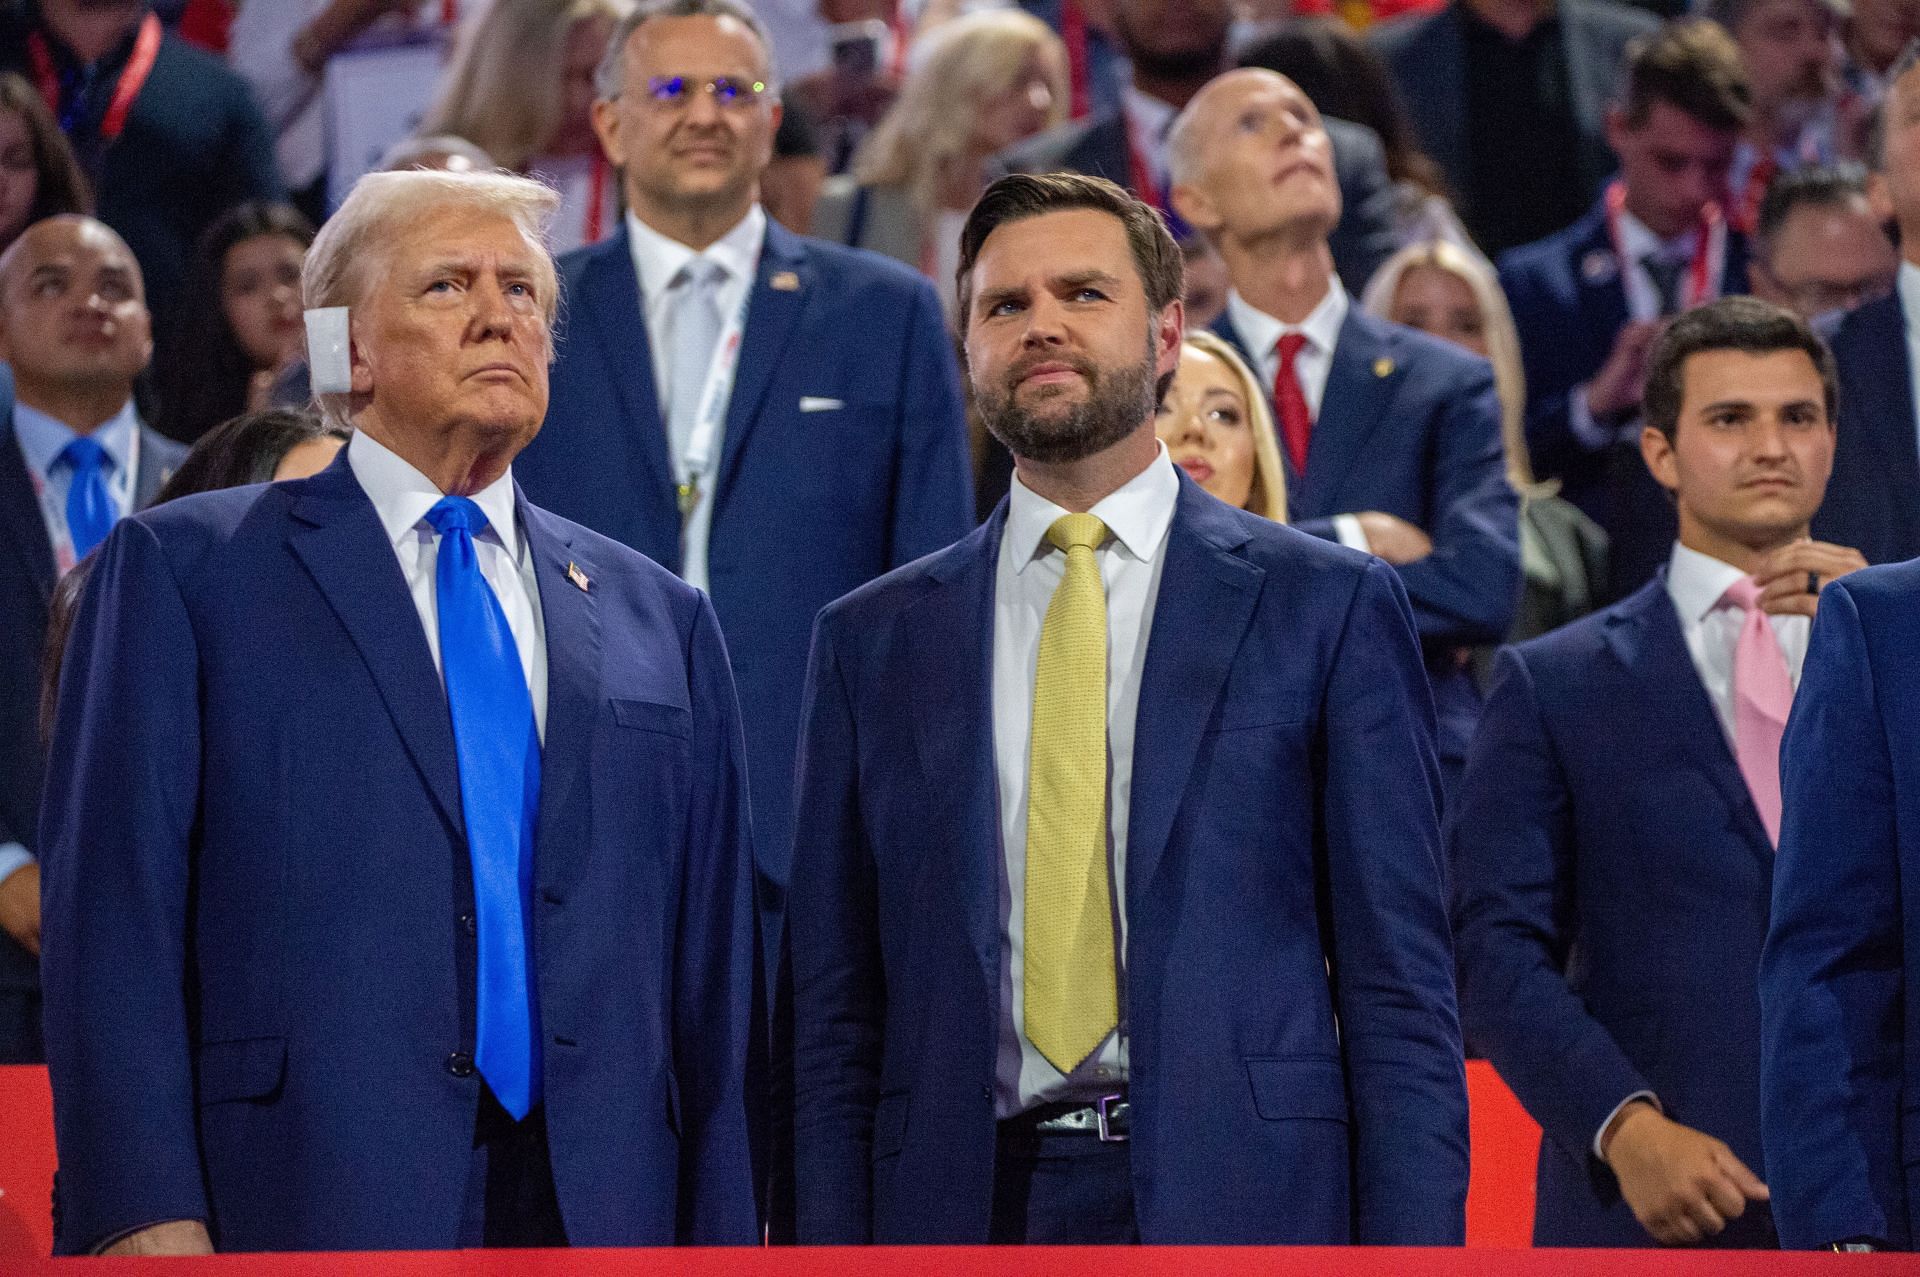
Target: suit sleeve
x,y
717,967
1392,958
933,479
839,1003
1466,591
1511,841
122,801
1831,973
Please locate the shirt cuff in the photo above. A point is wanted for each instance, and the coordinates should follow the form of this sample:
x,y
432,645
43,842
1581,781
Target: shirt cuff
x,y
1648,1096
1347,530
13,856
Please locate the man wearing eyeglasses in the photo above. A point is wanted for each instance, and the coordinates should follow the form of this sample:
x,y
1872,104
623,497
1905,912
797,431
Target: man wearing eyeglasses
x,y
1819,247
784,424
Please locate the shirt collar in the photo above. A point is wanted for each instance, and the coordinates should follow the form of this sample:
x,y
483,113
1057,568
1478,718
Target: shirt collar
x,y
1138,513
401,495
1697,582
1638,240
42,437
658,258
1262,331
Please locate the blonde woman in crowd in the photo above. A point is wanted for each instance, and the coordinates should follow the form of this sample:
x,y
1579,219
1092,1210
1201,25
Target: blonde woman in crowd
x,y
1442,289
520,87
1217,427
980,83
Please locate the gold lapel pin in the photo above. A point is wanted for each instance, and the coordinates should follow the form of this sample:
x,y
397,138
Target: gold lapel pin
x,y
784,281
1383,367
575,575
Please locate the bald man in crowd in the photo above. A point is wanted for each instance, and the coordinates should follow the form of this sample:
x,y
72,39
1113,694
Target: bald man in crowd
x,y
398,884
74,458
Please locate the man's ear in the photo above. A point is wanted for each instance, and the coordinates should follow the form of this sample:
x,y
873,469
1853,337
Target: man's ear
x,y
1193,206
605,118
1657,451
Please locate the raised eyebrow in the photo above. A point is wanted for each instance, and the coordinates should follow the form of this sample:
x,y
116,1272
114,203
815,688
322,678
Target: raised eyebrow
x,y
994,296
1728,405
1082,278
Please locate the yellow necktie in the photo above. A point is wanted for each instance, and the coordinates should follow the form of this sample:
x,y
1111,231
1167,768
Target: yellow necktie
x,y
1071,1000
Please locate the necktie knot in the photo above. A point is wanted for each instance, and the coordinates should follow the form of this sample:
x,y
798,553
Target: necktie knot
x,y
1743,594
698,275
84,455
1290,346
1077,531
1665,272
457,514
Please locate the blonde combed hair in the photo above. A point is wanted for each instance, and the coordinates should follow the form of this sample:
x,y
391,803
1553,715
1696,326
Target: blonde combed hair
x,y
502,91
970,60
1503,339
1268,496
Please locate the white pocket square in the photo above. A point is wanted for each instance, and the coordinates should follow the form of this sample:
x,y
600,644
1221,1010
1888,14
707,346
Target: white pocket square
x,y
814,403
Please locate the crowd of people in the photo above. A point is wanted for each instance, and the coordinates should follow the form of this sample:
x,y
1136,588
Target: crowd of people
x,y
1014,622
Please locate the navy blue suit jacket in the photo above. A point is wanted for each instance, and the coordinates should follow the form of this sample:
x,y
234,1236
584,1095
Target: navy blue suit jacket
x,y
1614,885
1871,503
1569,304
1840,978
259,982
1283,877
808,505
26,587
1410,426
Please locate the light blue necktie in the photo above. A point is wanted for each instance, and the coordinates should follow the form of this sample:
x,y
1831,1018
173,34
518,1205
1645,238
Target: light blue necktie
x,y
693,330
498,747
90,509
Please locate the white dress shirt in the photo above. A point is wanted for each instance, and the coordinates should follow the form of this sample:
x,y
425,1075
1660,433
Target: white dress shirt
x,y
1907,286
401,496
1697,584
1029,568
41,439
1312,366
656,260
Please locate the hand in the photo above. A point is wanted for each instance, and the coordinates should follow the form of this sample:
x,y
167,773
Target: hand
x,y
1782,575
1617,388
1393,538
1682,1185
176,1237
20,907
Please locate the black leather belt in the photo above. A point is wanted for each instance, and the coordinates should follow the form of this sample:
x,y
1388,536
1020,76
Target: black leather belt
x,y
1108,1119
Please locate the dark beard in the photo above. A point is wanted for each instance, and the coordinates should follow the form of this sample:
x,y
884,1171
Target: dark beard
x,y
1117,401
1198,64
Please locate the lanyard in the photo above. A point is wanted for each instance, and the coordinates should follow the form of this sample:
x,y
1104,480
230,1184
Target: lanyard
x,y
1703,272
693,468
1073,33
54,515
133,77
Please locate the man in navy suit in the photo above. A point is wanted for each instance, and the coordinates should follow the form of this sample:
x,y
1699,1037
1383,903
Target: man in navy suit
x,y
1117,910
1877,468
398,881
1590,300
1615,830
833,450
74,457
1394,443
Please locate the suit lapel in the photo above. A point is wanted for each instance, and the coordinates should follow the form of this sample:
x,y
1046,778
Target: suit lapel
x,y
610,306
772,313
347,553
1360,384
949,659
20,523
570,619
1207,598
1645,635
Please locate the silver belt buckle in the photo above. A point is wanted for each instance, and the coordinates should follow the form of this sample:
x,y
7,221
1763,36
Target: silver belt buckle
x,y
1107,1136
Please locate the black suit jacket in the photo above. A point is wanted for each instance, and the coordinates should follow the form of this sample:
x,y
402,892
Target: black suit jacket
x,y
26,586
1362,240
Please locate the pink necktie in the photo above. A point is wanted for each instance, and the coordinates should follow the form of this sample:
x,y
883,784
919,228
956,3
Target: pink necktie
x,y
1762,695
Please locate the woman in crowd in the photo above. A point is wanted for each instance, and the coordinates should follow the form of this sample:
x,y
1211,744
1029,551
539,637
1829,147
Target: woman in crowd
x,y
1447,291
1218,428
520,87
981,83
243,325
38,174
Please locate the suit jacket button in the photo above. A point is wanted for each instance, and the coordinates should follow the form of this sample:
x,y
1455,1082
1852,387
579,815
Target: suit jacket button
x,y
467,924
460,1064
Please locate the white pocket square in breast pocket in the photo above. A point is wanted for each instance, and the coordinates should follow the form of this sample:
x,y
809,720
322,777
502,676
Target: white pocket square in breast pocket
x,y
814,403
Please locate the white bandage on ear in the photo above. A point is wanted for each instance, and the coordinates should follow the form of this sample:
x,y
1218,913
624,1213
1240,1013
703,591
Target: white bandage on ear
x,y
329,363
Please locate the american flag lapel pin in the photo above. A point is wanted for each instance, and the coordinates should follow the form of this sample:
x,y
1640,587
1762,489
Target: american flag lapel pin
x,y
575,575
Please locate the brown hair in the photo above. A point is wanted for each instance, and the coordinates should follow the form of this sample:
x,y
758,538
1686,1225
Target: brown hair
x,y
1018,196
1692,65
1733,323
62,187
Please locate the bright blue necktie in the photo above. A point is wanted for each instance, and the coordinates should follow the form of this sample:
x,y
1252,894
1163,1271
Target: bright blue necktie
x,y
90,511
499,755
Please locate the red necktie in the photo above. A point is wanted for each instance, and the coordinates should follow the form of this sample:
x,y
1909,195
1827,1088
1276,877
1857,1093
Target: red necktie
x,y
1746,218
1290,403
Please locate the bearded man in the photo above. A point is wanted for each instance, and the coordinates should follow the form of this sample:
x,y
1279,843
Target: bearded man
x,y
1117,912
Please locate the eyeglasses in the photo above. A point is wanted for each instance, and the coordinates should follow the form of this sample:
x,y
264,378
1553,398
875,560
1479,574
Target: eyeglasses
x,y
730,93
